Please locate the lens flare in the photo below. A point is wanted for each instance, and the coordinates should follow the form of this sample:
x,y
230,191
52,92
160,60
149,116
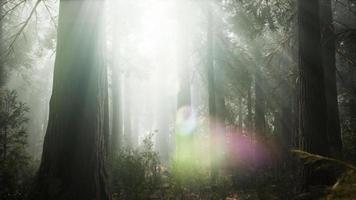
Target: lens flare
x,y
186,121
224,146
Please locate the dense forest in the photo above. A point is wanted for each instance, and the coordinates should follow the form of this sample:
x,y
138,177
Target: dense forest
x,y
177,99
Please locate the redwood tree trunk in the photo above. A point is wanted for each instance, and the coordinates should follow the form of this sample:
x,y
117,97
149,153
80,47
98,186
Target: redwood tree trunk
x,y
73,159
328,59
286,115
313,115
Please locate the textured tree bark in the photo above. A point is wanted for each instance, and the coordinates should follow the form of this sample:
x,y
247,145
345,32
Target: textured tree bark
x,y
286,115
286,100
313,115
329,66
73,159
352,103
296,114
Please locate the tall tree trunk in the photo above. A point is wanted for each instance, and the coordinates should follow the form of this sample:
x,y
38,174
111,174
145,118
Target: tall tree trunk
x,y
184,97
286,115
4,149
163,127
106,115
117,131
2,67
117,122
220,101
116,88
296,114
240,122
211,91
184,94
286,100
352,101
127,112
328,59
313,115
73,159
259,104
249,107
135,124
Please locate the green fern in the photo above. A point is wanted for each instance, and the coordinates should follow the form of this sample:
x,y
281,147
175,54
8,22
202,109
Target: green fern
x,y
314,159
345,187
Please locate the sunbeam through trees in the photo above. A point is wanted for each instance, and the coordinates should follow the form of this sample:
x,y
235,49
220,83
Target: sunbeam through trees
x,y
177,99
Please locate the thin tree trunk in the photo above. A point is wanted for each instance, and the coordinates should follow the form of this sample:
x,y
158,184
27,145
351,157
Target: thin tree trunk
x,y
106,115
249,107
116,135
211,92
73,159
2,67
184,102
135,124
127,112
163,128
5,145
240,122
259,104
116,89
220,98
184,94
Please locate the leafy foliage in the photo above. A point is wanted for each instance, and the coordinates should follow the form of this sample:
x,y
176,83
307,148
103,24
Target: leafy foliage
x,y
194,182
136,173
14,161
